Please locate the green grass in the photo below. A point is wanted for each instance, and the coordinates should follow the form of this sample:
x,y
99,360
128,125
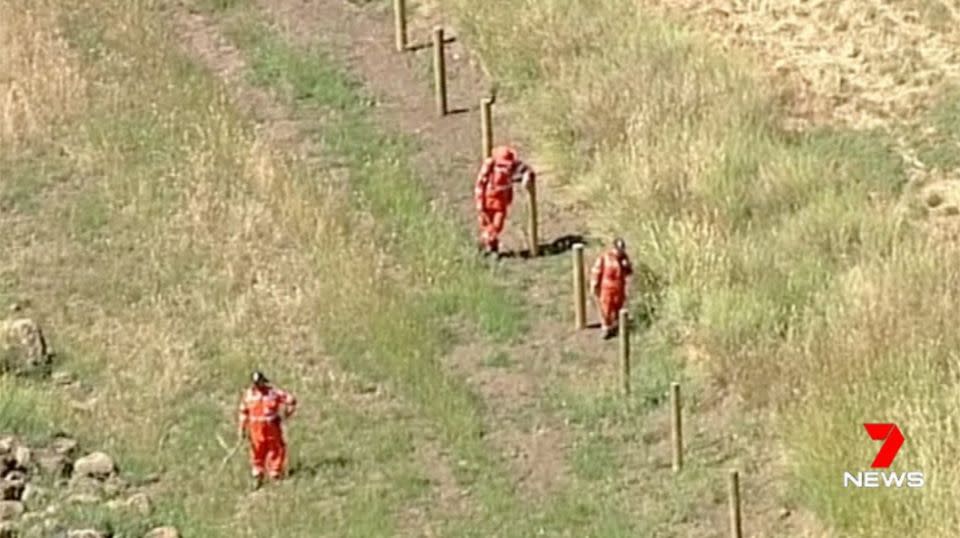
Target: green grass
x,y
771,244
183,251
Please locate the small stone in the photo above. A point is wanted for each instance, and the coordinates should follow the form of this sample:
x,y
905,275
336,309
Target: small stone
x,y
83,498
95,465
163,532
53,464
86,533
784,513
7,444
12,486
8,530
62,378
34,495
64,446
23,456
114,486
10,510
24,349
140,503
85,485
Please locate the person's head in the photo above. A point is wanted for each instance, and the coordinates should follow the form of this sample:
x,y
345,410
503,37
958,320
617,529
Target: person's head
x,y
260,381
620,244
504,158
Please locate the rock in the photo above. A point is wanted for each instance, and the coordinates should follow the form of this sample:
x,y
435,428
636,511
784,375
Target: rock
x,y
10,510
23,457
83,498
62,378
34,496
54,465
11,487
65,446
140,503
23,350
7,444
84,485
114,486
8,530
86,533
96,465
784,513
163,532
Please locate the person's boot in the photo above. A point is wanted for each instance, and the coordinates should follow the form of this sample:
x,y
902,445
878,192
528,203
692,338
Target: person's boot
x,y
495,251
609,333
257,482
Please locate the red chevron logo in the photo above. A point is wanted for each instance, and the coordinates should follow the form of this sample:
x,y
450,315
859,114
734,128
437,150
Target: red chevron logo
x,y
892,441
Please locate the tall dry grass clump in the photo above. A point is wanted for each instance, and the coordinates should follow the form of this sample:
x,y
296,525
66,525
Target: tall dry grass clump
x,y
40,81
792,281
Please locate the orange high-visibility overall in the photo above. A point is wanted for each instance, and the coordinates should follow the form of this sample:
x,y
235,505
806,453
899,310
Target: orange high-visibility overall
x,y
609,280
260,414
493,193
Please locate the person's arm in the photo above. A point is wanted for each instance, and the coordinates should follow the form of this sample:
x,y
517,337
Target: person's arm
x,y
595,275
627,266
290,404
524,175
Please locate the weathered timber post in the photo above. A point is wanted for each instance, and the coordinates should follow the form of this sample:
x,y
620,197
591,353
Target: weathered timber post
x,y
579,288
439,71
534,235
400,23
736,531
625,350
677,427
486,119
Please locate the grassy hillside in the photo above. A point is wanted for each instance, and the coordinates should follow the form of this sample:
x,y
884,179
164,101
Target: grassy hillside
x,y
169,249
794,281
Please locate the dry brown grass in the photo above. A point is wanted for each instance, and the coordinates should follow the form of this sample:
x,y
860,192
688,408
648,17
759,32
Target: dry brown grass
x,y
169,249
770,241
40,82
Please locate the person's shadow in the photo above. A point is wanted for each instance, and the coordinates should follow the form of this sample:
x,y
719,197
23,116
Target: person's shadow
x,y
556,247
316,467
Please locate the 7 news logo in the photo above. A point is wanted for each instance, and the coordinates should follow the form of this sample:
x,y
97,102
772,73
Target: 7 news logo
x,y
892,439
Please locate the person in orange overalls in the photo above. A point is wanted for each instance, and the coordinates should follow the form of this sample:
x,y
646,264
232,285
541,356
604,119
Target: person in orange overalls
x,y
609,284
262,410
493,193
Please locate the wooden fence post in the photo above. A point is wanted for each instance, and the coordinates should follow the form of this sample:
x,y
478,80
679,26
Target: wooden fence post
x,y
579,288
736,531
486,118
439,71
625,350
677,427
400,23
534,235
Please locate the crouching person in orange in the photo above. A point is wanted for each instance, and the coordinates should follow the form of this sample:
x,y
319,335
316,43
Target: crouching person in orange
x,y
609,284
262,410
493,193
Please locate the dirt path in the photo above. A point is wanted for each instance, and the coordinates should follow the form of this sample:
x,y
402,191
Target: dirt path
x,y
533,439
280,128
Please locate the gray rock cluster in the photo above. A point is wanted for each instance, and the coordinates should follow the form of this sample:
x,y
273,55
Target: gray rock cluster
x,y
37,483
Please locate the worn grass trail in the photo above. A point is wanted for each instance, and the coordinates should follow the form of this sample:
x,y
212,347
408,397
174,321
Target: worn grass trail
x,y
579,456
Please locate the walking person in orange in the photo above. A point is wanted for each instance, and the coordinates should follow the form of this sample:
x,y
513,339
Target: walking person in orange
x,y
609,284
493,193
262,410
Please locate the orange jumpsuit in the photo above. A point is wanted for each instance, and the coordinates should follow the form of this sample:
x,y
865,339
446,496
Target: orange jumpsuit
x,y
260,410
493,193
609,280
